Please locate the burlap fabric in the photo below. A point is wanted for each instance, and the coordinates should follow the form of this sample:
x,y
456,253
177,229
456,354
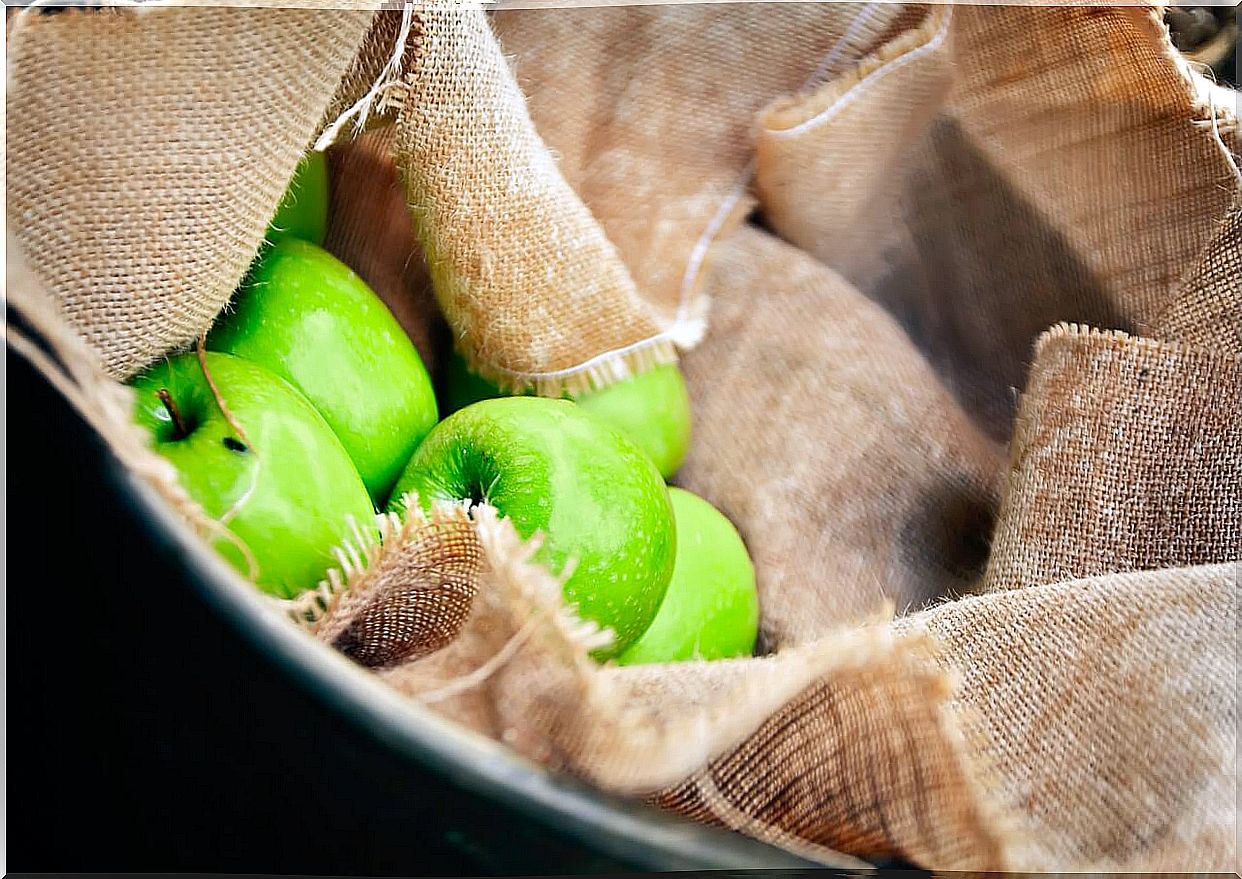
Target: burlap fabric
x,y
981,370
372,233
147,150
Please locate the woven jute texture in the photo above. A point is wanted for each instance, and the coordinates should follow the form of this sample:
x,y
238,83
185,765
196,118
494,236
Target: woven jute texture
x,y
401,596
1105,476
969,390
658,141
372,233
529,282
995,233
814,415
147,150
1199,314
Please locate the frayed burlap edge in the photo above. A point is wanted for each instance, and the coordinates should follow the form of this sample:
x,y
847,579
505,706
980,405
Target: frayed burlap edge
x,y
470,277
1201,90
1119,339
403,589
790,116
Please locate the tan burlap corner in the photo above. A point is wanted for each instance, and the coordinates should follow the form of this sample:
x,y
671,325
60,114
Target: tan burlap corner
x,y
147,149
1126,455
400,593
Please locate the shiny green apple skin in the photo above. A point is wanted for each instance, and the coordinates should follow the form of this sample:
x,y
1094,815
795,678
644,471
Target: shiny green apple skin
x,y
550,468
303,211
307,317
290,486
652,408
711,608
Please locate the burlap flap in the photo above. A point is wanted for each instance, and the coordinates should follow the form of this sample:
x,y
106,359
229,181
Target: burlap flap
x,y
1073,763
534,291
400,594
567,258
849,141
147,149
1126,455
650,109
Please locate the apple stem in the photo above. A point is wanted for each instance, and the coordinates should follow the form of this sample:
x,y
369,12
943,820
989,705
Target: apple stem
x,y
182,431
215,391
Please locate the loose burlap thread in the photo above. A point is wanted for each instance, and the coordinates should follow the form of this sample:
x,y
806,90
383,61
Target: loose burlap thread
x,y
1056,690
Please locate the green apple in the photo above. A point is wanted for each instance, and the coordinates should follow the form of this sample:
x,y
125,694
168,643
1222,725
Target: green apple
x,y
307,317
550,468
303,212
651,408
711,608
283,486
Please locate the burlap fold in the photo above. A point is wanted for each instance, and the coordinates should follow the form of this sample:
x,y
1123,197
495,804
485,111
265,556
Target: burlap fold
x,y
1072,172
1126,455
147,150
820,430
1199,314
536,294
650,110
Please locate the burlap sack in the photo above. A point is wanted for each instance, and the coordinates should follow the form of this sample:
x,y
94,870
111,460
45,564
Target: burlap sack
x,y
951,186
